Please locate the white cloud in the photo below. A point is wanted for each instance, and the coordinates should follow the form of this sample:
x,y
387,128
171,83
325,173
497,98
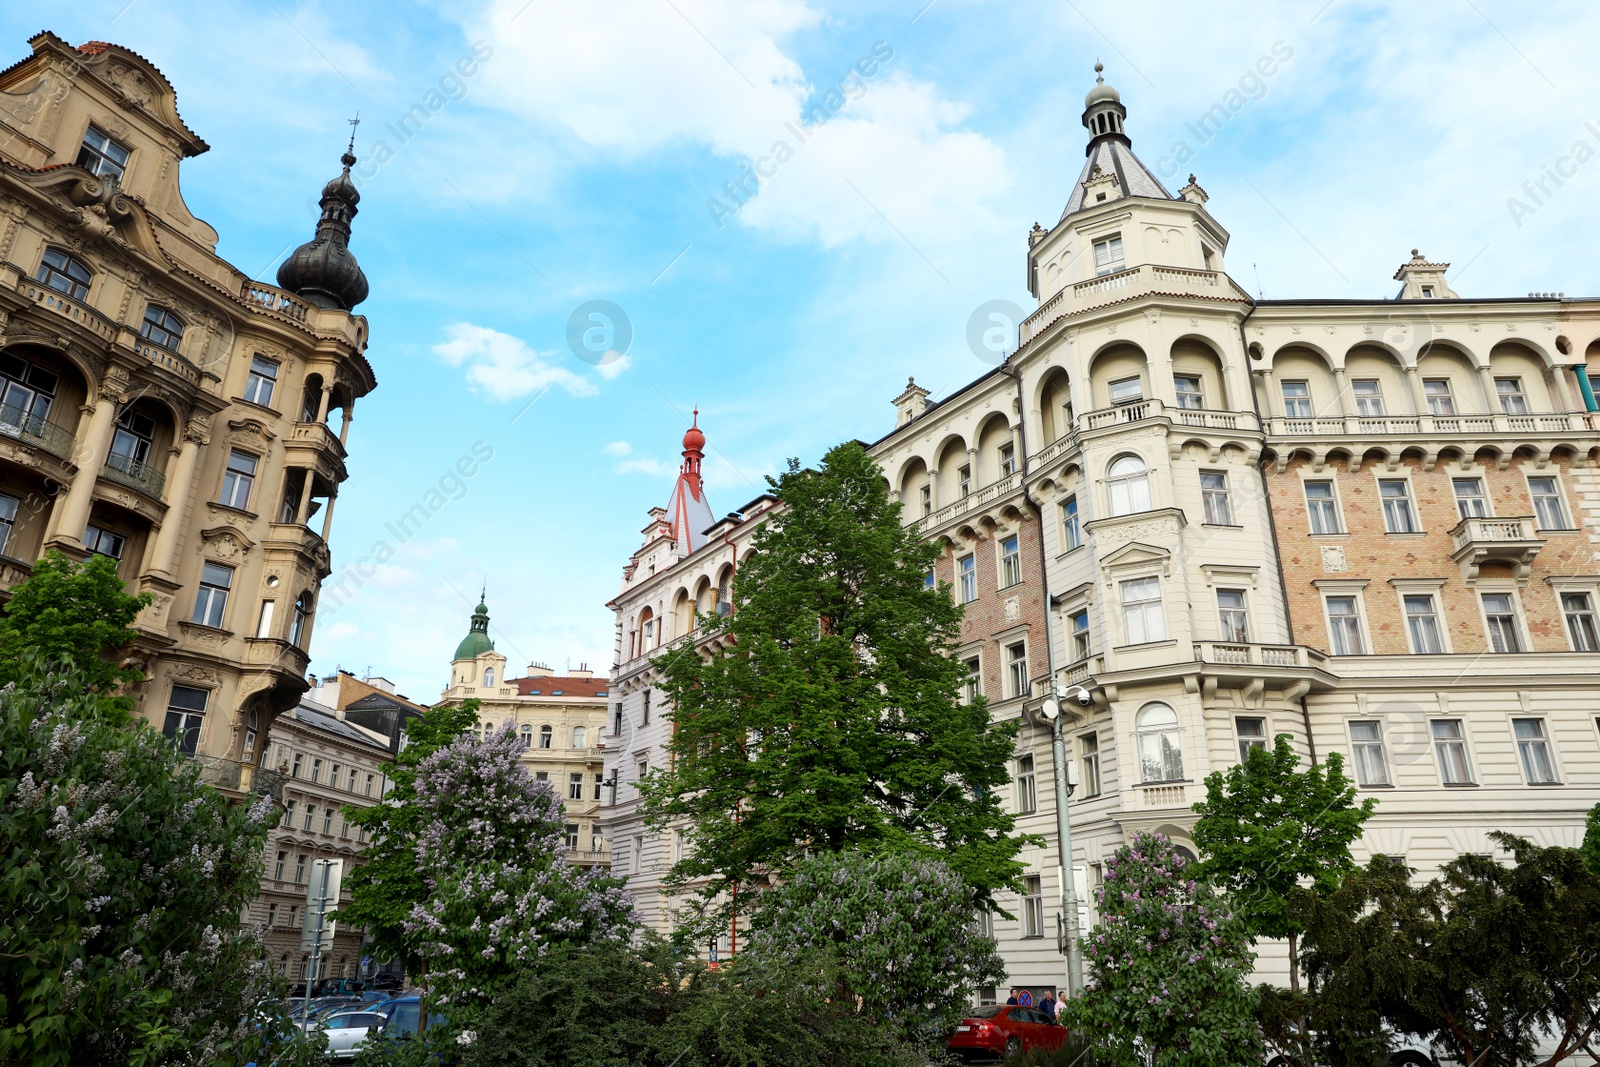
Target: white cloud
x,y
617,448
502,366
609,369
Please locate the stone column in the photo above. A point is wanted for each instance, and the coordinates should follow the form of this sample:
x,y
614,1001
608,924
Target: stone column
x,y
933,487
195,435
972,469
1271,401
300,516
89,457
1341,387
1419,398
349,414
322,403
327,517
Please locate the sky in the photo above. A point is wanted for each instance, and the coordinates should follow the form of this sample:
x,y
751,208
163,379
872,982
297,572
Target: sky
x,y
786,209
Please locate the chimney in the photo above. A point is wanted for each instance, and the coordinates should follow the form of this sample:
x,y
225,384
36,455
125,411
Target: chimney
x,y
539,670
583,671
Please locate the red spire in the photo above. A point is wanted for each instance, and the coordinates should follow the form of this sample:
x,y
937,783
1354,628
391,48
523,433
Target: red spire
x,y
694,443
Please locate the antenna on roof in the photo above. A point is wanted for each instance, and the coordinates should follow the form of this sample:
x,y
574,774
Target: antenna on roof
x,y
1259,294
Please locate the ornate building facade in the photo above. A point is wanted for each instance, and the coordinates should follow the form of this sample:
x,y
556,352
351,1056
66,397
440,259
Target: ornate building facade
x,y
1206,520
160,407
560,719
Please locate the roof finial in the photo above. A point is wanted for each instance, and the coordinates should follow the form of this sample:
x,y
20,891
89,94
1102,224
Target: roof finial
x,y
1098,67
349,157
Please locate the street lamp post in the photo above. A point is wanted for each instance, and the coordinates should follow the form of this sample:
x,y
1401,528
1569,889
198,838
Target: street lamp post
x,y
1066,781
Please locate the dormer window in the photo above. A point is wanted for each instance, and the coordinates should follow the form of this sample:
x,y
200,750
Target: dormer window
x,y
101,156
64,274
1427,292
1108,255
161,327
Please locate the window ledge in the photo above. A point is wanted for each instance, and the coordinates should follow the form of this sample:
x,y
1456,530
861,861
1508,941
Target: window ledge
x,y
1459,785
1556,529
1013,585
251,515
274,412
1169,781
1546,785
1383,785
1223,525
1330,533
1146,644
1407,533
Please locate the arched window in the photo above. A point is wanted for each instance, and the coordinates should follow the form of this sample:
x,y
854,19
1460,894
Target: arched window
x,y
311,398
647,630
580,737
1160,744
249,736
1129,484
725,591
161,327
488,677
302,615
547,737
527,735
64,274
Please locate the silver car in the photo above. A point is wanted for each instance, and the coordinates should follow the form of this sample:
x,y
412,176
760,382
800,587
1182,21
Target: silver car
x,y
349,1030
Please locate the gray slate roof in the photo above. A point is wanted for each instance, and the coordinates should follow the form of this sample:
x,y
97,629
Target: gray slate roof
x,y
1113,155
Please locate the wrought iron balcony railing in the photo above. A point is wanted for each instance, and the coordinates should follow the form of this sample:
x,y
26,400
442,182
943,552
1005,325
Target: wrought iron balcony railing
x,y
36,431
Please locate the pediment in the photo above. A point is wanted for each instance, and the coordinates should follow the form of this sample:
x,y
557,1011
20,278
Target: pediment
x,y
1134,554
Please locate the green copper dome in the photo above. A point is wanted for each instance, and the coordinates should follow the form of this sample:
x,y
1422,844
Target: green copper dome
x,y
477,642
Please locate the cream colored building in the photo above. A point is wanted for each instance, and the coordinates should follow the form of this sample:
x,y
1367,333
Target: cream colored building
x,y
159,406
1371,525
560,719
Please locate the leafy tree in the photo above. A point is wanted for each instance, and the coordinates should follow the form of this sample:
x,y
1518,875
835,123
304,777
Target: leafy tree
x,y
1591,840
834,718
1267,827
76,610
1168,967
1481,960
490,845
902,928
385,888
125,879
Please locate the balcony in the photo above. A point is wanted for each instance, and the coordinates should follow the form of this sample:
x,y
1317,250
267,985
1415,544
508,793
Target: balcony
x,y
72,310
275,301
1145,280
35,431
1367,426
1230,653
142,477
1506,540
1140,410
971,502
244,778
318,435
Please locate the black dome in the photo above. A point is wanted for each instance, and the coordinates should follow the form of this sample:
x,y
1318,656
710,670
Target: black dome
x,y
323,270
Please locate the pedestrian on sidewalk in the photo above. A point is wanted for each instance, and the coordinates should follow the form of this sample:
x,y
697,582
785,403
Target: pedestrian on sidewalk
x,y
1048,1005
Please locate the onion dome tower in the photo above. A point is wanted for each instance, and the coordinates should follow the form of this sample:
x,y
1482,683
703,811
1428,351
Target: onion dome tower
x,y
689,511
1111,171
477,641
323,270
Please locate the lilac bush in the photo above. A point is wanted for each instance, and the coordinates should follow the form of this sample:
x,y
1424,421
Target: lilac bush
x,y
1168,967
501,888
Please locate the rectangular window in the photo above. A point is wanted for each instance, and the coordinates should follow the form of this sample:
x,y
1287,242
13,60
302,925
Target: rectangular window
x,y
1297,400
299,873
333,776
186,713
1126,390
1547,504
277,869
1512,399
1032,907
1232,617
212,600
316,771
1450,745
1398,514
294,769
1344,626
1252,734
1578,608
327,819
352,785
644,714
1089,761
8,518
1027,798
1214,497
1080,636
964,479
1533,749
263,379
1008,460
930,581
1471,501
1142,619
927,499
599,780
972,686
344,827
1440,399
1017,669
967,579
104,542
1010,562
575,786
1108,255
371,778
1366,752
311,813
1500,616
1322,508
572,835
101,156
294,920
1190,397
288,813
1369,397
644,770
238,480
1073,536
1422,623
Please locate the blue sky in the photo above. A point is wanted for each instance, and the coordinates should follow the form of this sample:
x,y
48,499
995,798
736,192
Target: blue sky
x,y
578,162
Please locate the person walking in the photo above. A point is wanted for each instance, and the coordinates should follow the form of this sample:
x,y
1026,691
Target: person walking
x,y
1048,1005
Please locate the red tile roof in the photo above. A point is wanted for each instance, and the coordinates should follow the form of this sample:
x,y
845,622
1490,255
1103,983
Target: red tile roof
x,y
553,685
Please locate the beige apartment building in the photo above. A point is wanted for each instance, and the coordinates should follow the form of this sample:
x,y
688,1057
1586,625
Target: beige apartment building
x,y
560,719
1205,519
159,406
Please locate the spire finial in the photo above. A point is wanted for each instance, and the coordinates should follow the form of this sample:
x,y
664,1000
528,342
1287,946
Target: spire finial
x,y
1098,67
349,157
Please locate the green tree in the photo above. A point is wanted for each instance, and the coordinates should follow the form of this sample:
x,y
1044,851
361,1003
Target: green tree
x,y
125,879
901,927
76,610
1591,840
1168,968
833,720
1267,827
385,888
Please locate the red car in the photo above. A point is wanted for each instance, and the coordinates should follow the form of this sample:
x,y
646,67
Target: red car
x,y
1004,1030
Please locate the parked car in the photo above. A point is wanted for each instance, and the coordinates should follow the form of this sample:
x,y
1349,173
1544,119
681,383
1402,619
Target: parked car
x,y
325,1007
349,1030
1004,1030
403,1014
